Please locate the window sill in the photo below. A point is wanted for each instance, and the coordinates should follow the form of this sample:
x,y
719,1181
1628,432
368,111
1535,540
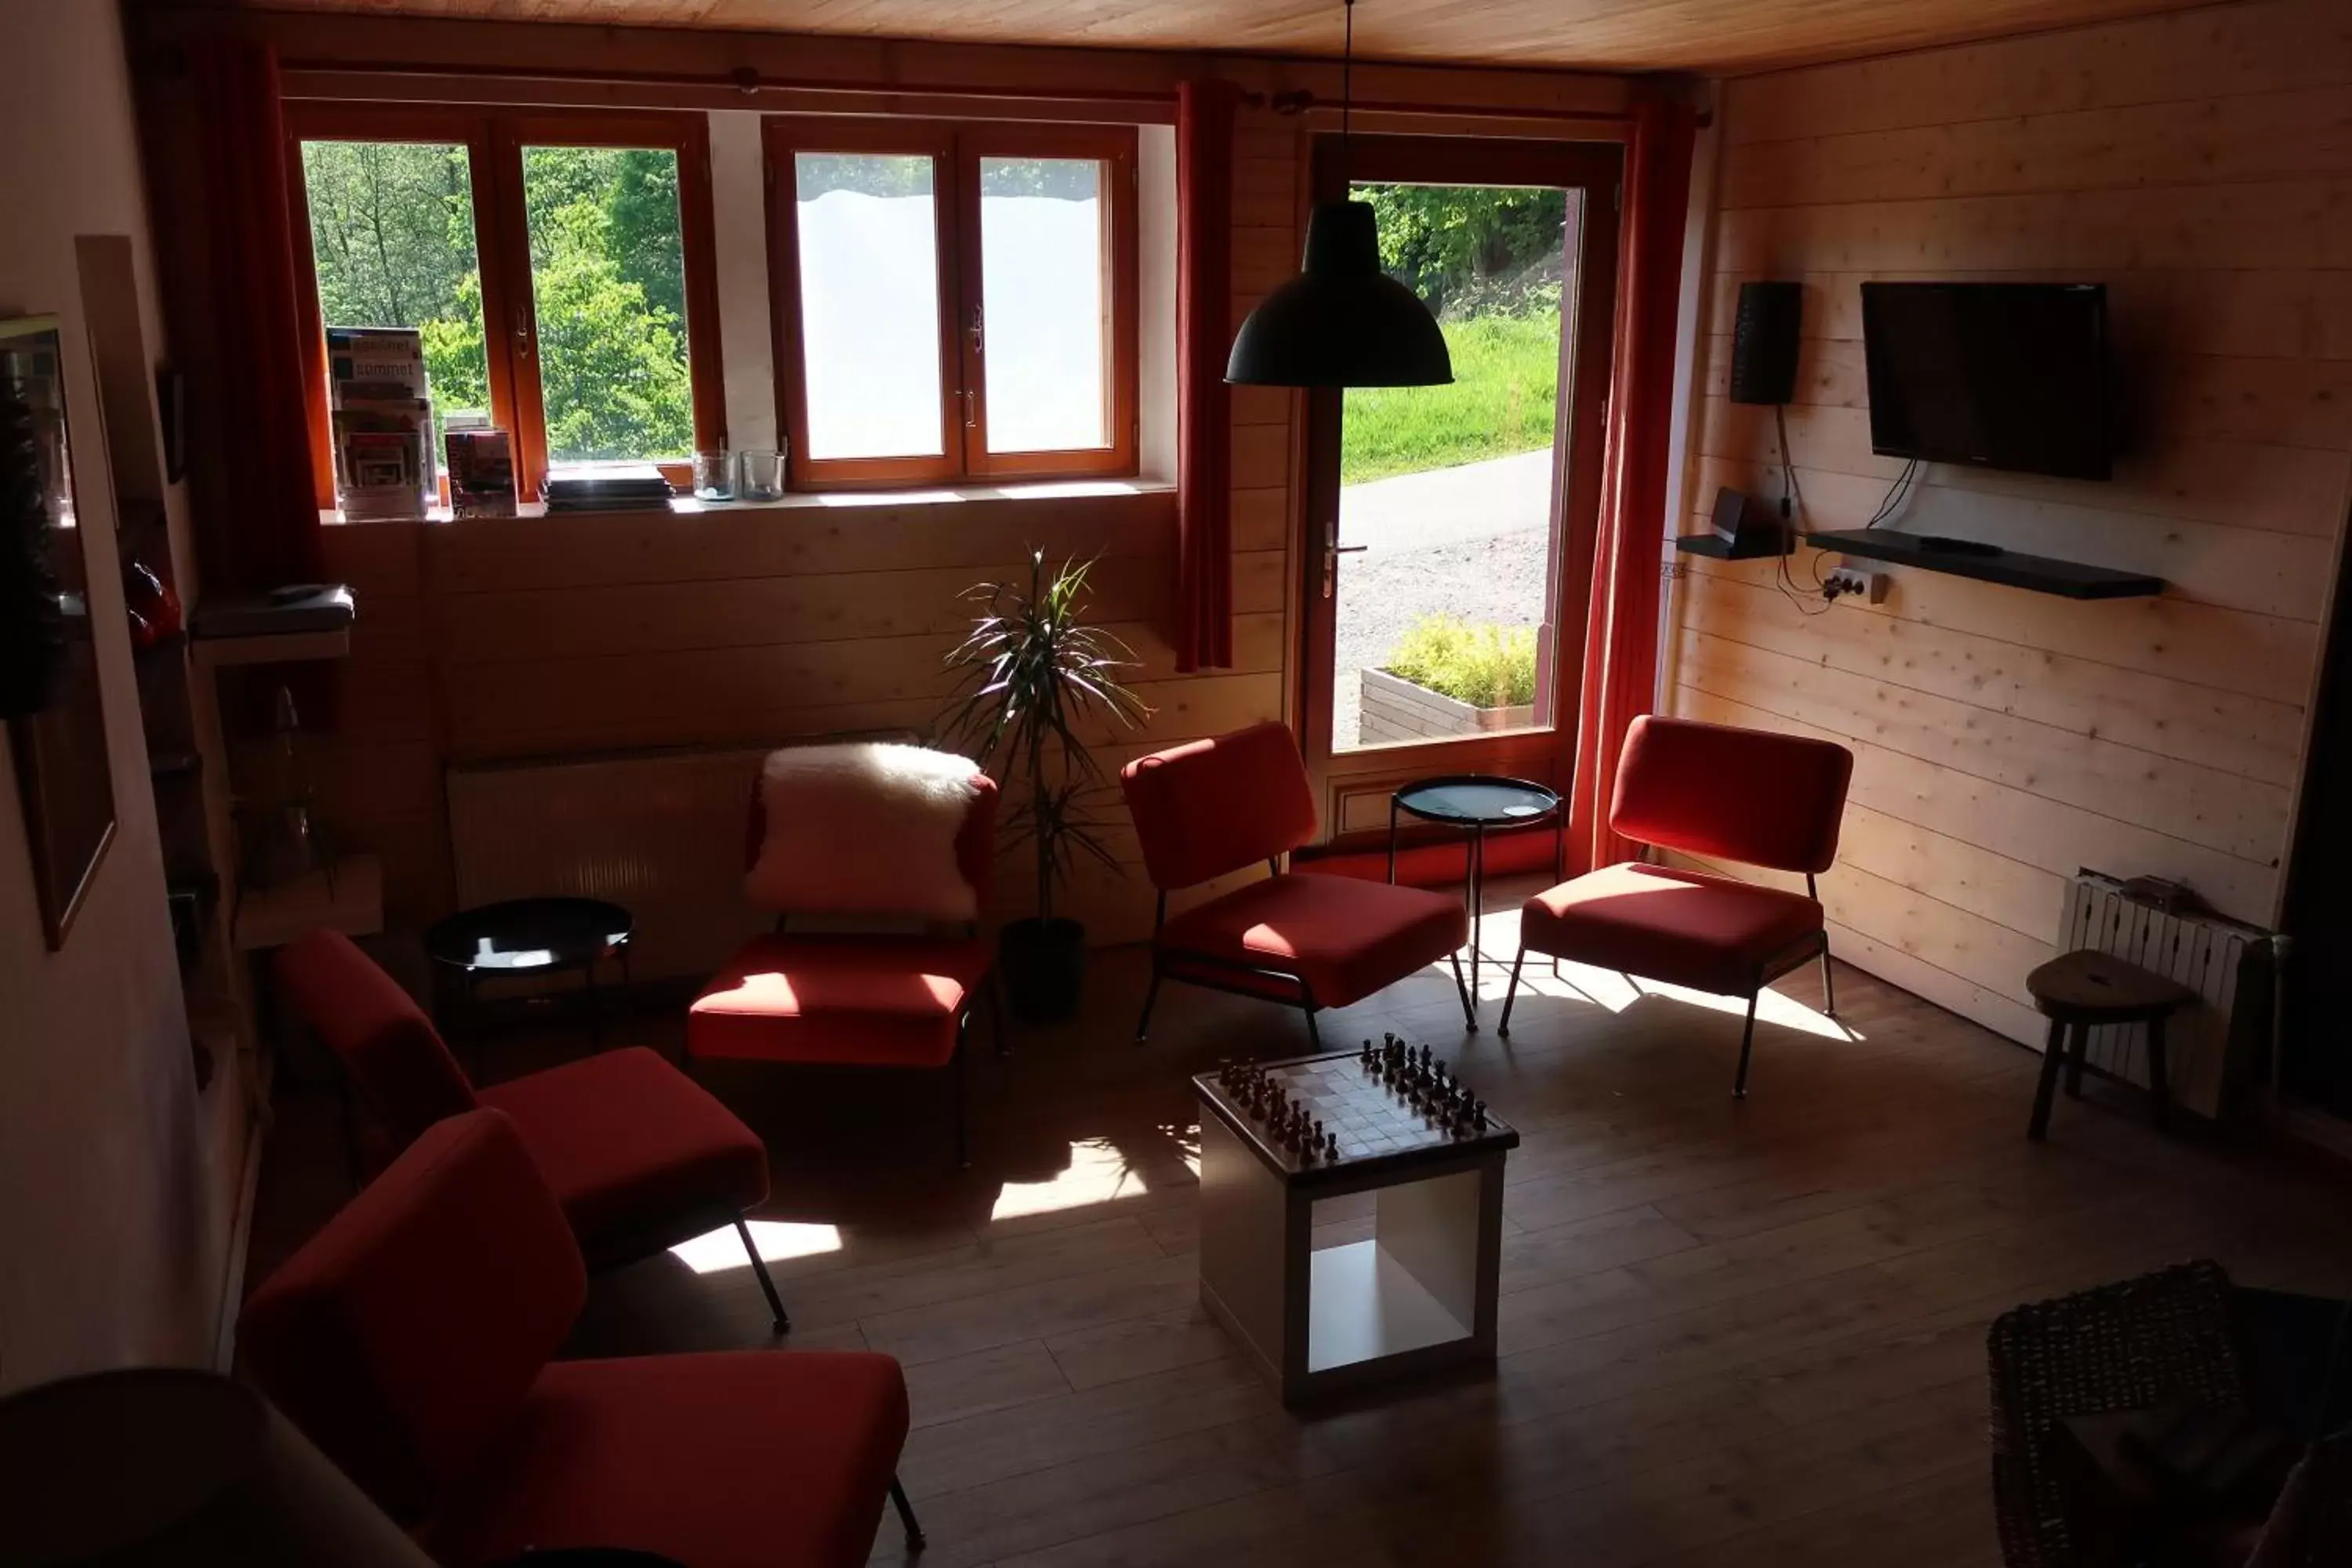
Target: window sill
x,y
1041,490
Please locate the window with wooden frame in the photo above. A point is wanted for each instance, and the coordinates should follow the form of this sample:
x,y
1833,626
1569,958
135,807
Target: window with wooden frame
x,y
558,264
952,301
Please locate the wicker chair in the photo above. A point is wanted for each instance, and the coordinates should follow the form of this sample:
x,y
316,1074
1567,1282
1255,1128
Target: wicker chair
x,y
2183,1332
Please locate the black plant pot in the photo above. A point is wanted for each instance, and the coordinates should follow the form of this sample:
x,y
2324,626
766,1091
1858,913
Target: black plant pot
x,y
1044,966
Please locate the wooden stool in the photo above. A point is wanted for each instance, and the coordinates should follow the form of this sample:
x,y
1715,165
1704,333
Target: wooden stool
x,y
2084,988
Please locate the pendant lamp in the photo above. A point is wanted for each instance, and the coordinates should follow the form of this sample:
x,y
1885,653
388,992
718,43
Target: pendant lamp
x,y
1342,322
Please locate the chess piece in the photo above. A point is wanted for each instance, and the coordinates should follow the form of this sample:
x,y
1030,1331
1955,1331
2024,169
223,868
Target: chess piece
x,y
1330,1145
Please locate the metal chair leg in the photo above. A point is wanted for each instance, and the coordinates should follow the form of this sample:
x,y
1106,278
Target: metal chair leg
x,y
1829,987
760,1269
996,1015
1143,1022
1314,1039
1512,994
1746,1045
916,1541
1469,1007
595,1005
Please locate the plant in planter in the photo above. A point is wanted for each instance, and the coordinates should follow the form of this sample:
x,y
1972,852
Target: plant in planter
x,y
1447,677
1034,675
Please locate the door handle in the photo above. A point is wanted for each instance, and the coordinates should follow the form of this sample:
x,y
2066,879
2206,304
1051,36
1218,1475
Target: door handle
x,y
1332,550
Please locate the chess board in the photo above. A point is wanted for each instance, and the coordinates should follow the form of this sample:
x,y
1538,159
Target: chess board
x,y
1370,1123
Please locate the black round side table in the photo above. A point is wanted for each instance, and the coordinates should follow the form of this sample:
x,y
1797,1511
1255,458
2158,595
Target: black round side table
x,y
529,937
1478,802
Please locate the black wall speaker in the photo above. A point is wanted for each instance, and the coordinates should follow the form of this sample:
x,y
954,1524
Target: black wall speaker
x,y
1764,343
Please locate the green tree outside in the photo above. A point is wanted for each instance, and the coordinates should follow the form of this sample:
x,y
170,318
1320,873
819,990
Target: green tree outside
x,y
391,230
1489,262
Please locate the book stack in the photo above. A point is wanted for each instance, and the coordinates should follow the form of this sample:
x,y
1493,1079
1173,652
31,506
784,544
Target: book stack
x,y
481,473
382,414
608,487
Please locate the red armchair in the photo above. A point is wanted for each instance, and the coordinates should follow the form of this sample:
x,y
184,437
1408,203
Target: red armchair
x,y
410,1339
1209,808
640,1157
885,1000
1704,789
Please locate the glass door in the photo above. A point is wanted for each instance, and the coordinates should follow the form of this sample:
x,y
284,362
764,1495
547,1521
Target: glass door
x,y
1450,528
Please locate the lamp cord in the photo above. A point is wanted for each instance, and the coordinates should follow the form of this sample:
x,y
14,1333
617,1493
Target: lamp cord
x,y
1346,80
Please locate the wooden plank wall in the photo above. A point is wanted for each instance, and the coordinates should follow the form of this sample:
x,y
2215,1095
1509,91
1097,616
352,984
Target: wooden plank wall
x,y
2200,165
522,637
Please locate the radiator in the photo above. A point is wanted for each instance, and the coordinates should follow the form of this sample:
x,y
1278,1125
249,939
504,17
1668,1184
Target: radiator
x,y
659,832
2212,1048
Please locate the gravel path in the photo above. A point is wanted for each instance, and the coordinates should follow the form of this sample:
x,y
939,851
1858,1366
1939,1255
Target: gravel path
x,y
1497,580
1469,541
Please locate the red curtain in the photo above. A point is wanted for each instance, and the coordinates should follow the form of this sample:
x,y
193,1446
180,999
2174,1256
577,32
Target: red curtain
x,y
256,514
1205,337
1620,639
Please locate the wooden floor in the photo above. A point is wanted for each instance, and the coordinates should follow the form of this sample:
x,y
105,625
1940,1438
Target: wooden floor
x,y
1743,1333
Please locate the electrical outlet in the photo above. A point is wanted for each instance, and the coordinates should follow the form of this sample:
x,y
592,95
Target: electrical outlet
x,y
1870,587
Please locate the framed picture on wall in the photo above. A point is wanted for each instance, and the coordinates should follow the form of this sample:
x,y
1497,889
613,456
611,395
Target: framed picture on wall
x,y
55,707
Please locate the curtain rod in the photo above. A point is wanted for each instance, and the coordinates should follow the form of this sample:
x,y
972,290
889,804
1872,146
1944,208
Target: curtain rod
x,y
750,82
1303,102
743,79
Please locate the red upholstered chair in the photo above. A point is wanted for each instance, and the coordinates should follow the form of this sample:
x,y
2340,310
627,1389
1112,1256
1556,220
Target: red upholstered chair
x,y
410,1339
885,1000
1209,808
640,1157
1704,789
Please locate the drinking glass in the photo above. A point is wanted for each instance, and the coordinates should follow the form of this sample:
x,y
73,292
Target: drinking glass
x,y
762,475
714,475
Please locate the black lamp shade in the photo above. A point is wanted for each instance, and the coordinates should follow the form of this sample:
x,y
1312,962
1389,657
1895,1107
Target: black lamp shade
x,y
1341,322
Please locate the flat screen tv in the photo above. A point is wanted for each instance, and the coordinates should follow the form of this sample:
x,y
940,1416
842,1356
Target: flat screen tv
x,y
1997,375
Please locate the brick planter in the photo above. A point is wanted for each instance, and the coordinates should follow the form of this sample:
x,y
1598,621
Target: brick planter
x,y
1395,709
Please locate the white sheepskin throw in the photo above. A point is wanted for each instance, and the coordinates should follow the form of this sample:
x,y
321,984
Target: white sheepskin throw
x,y
864,828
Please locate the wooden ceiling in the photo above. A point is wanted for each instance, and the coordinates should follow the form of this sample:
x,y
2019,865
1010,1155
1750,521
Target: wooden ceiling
x,y
1712,37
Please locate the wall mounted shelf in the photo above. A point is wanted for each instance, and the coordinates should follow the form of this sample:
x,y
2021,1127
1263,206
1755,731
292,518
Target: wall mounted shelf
x,y
2035,574
1715,547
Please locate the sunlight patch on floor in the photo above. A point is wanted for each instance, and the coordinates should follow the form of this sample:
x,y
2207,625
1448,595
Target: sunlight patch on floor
x,y
1098,1173
1500,939
1608,988
777,1240
1187,1140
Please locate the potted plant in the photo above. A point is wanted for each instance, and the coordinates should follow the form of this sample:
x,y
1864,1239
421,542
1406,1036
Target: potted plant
x,y
1033,676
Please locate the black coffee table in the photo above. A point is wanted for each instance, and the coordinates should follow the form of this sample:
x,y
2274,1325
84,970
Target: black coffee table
x,y
1477,802
526,937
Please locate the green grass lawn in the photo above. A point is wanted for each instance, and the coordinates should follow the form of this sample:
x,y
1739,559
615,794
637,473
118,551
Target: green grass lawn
x,y
1505,377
